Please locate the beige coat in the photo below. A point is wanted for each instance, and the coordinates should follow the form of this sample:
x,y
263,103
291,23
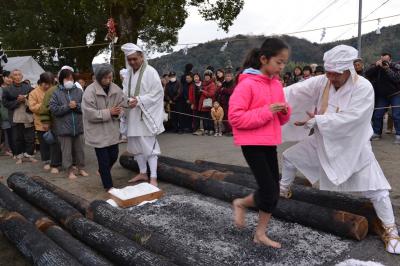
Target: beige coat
x,y
100,128
35,101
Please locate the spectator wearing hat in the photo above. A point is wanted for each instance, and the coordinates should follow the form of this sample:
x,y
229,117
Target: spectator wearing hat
x,y
207,97
174,97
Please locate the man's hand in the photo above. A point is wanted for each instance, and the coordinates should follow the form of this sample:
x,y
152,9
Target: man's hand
x,y
300,124
378,63
21,98
278,107
116,110
46,127
133,102
72,104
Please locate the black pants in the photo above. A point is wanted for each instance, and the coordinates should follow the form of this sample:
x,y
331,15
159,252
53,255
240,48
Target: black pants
x,y
55,154
177,120
188,119
44,147
24,139
263,162
106,157
208,124
10,139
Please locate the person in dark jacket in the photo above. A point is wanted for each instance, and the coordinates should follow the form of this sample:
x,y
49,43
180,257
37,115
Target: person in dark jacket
x,y
15,100
8,146
174,96
65,106
226,91
187,119
385,77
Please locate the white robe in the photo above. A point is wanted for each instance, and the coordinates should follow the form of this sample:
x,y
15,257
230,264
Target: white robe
x,y
339,154
145,121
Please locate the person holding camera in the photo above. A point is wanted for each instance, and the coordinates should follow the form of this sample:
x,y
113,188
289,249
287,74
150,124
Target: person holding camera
x,y
385,77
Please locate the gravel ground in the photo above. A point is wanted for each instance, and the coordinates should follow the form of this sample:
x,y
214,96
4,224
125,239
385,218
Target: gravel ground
x,y
205,223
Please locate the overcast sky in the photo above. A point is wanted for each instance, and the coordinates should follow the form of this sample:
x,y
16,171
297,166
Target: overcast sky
x,y
285,16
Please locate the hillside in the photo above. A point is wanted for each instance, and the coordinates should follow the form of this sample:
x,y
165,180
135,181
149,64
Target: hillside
x,y
303,51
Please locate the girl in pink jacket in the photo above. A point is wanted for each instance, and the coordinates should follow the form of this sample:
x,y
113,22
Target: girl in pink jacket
x,y
257,110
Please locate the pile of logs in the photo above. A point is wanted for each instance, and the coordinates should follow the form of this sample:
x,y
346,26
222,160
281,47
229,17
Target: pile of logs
x,y
341,214
51,226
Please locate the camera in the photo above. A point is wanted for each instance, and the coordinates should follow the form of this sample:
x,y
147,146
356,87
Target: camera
x,y
385,63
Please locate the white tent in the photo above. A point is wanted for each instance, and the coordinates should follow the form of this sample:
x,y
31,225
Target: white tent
x,y
29,67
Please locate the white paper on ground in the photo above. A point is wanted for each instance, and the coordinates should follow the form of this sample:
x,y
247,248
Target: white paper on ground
x,y
112,203
130,192
353,262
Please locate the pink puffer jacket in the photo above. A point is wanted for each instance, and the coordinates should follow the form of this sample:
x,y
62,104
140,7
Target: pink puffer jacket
x,y
252,121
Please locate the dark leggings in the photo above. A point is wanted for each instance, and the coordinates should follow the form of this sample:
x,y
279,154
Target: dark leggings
x,y
263,162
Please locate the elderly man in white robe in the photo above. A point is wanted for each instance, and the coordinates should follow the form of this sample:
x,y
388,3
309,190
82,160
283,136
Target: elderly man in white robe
x,y
144,120
331,117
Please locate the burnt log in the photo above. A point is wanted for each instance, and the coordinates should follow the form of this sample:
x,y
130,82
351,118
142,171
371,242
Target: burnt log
x,y
329,199
14,203
75,201
78,250
42,198
112,245
33,244
333,221
126,224
81,252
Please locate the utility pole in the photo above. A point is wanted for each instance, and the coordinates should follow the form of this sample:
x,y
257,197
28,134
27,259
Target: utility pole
x,y
359,27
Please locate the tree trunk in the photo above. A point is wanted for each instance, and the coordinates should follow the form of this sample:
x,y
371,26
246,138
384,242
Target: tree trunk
x,y
75,201
122,222
32,243
81,252
333,200
13,202
42,198
114,246
329,220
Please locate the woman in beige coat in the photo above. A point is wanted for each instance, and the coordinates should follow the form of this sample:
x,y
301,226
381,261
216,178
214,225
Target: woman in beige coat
x,y
102,106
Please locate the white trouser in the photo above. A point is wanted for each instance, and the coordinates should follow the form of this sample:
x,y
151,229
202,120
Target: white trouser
x,y
142,161
379,198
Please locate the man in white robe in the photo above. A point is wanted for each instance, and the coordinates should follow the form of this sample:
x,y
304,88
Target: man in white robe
x,y
331,117
144,120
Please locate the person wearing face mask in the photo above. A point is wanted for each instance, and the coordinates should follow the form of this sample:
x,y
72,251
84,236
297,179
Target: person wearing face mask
x,y
46,81
174,96
15,99
226,91
65,106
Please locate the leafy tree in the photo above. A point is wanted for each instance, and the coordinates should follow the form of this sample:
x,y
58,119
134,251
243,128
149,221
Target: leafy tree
x,y
54,23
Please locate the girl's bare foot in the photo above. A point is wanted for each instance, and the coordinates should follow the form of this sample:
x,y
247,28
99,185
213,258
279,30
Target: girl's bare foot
x,y
19,161
139,177
54,170
262,239
72,175
239,212
83,173
46,167
153,181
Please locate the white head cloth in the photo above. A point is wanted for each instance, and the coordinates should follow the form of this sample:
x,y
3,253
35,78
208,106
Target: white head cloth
x,y
67,67
340,58
129,49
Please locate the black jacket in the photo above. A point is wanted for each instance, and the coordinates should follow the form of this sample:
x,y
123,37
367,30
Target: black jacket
x,y
10,95
386,82
173,91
